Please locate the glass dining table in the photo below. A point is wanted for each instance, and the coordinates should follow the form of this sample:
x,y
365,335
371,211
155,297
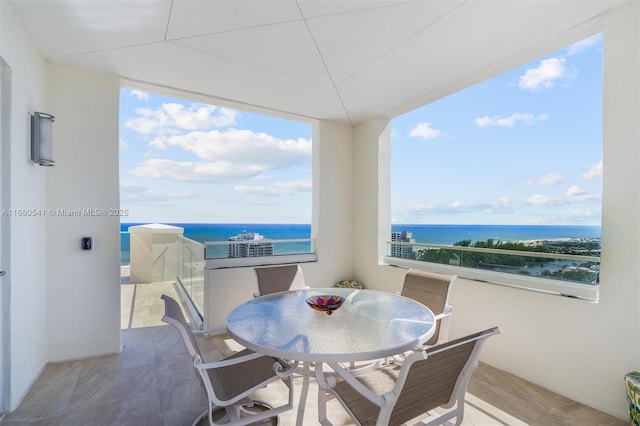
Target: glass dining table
x,y
369,325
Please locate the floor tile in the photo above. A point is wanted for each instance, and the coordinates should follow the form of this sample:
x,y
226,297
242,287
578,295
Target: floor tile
x,y
153,382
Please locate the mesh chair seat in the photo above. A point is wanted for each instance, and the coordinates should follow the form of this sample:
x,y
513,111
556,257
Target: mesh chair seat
x,y
230,382
396,393
275,279
235,379
432,290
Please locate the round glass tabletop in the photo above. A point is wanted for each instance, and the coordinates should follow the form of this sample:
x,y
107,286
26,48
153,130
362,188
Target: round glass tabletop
x,y
369,325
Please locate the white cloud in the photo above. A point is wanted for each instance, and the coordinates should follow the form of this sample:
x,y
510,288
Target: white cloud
x,y
548,179
574,194
583,45
133,194
243,148
545,75
568,217
545,200
425,131
171,118
126,187
500,205
142,96
595,171
577,194
510,121
123,144
217,171
504,205
575,190
278,189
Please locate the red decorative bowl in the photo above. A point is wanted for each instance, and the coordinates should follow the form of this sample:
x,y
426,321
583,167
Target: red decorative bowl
x,y
326,304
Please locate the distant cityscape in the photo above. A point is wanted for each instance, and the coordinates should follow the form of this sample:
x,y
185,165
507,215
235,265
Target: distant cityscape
x,y
585,271
250,239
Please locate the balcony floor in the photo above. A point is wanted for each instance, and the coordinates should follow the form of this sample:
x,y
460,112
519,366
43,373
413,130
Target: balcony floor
x,y
152,382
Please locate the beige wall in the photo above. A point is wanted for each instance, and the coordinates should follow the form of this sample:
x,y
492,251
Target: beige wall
x,y
578,349
83,287
27,275
64,302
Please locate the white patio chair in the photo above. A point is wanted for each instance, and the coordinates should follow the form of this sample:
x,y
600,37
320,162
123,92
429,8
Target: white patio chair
x,y
230,382
398,393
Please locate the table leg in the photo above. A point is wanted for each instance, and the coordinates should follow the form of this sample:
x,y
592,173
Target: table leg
x,y
303,393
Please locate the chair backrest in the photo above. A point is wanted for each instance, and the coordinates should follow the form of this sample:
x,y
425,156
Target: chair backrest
x,y
440,379
279,278
173,315
431,289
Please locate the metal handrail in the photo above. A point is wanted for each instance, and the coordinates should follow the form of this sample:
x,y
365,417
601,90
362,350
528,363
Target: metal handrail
x,y
501,251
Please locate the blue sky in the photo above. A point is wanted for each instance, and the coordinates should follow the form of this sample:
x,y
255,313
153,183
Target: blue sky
x,y
186,162
522,148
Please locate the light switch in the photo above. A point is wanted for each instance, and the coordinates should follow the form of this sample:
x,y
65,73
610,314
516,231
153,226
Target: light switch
x,y
87,243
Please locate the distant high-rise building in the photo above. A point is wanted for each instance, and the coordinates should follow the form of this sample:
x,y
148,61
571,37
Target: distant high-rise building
x,y
402,251
255,245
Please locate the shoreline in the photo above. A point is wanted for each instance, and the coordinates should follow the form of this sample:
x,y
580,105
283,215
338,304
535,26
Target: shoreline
x,y
539,242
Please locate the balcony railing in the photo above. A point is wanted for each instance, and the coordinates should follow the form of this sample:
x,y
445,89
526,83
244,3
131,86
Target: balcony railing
x,y
578,273
190,275
181,260
227,254
125,251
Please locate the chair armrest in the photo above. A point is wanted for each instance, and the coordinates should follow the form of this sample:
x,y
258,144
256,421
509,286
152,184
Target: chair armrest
x,y
215,330
280,367
447,313
442,316
228,361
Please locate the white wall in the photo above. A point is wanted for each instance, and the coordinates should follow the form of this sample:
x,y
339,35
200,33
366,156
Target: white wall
x,y
27,272
332,205
372,208
83,287
578,349
331,227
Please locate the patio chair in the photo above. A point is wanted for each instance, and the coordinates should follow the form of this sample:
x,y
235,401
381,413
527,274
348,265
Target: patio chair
x,y
432,290
397,393
279,278
230,382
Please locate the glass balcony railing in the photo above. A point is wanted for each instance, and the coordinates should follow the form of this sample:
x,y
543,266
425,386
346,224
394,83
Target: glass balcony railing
x,y
175,258
190,272
125,248
583,269
258,248
246,253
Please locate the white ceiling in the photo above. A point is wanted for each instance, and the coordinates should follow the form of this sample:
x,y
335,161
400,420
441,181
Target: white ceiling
x,y
341,60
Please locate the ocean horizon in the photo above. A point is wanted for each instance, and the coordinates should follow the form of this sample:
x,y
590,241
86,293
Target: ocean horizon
x,y
422,233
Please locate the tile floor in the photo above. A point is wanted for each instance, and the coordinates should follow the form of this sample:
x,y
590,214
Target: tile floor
x,y
152,382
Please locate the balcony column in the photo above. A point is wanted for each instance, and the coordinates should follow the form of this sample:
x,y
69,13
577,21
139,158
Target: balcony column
x,y
371,203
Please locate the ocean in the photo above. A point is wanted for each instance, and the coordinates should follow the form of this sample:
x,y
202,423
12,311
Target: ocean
x,y
433,234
